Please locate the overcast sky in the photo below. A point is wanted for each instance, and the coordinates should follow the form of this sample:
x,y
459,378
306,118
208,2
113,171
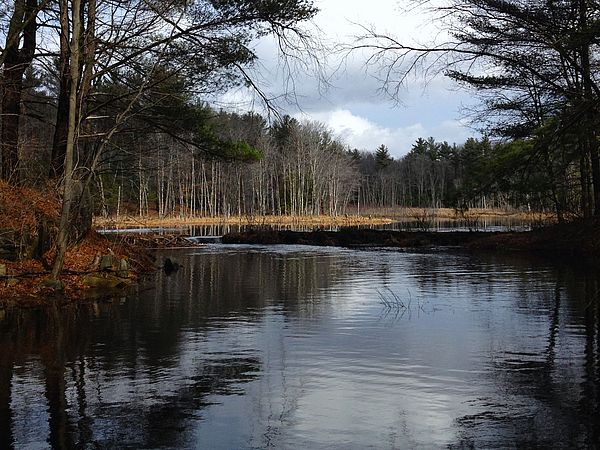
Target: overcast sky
x,y
352,106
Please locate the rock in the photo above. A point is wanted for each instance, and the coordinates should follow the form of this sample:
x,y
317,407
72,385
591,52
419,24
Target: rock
x,y
108,262
170,266
8,244
96,261
111,263
55,285
123,270
105,281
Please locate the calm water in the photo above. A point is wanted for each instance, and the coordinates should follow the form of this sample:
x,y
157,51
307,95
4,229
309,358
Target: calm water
x,y
293,347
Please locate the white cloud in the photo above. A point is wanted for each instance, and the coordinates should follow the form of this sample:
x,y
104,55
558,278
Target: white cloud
x,y
338,18
364,134
354,107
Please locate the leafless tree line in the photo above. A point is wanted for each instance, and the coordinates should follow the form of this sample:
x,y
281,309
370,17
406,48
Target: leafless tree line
x,y
534,64
307,172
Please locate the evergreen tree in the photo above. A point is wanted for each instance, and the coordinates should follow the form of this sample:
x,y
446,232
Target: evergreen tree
x,y
382,157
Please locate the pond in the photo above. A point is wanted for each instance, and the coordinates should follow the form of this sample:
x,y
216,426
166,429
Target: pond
x,y
304,347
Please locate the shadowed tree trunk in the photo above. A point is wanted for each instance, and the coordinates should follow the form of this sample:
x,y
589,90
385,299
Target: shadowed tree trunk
x,y
59,143
6,371
22,28
53,354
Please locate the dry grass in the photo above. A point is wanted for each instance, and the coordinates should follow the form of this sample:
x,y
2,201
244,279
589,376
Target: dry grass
x,y
151,222
372,216
403,214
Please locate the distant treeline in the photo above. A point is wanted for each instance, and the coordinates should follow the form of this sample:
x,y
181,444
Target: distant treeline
x,y
301,168
177,157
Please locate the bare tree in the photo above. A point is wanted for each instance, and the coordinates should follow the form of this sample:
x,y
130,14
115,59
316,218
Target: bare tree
x,y
68,194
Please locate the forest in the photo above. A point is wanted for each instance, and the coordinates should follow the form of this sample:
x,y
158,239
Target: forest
x,y
109,103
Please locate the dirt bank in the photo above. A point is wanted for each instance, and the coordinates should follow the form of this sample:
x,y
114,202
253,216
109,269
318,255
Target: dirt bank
x,y
577,238
28,227
93,264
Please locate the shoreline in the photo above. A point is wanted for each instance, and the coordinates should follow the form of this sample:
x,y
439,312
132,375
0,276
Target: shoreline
x,y
20,285
371,216
91,266
581,238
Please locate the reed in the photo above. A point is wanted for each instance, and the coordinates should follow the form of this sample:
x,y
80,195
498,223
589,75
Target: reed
x,y
391,301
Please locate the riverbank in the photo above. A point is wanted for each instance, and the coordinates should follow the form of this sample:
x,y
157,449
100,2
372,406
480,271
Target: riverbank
x,y
91,266
576,238
25,282
97,262
29,221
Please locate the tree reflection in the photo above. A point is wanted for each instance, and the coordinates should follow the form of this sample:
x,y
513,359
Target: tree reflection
x,y
7,353
65,342
590,399
99,361
144,371
552,393
53,352
243,283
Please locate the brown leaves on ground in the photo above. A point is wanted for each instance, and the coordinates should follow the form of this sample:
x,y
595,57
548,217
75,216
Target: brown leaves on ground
x,y
24,281
80,257
23,207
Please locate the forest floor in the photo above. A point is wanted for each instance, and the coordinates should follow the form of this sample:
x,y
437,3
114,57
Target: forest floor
x,y
27,282
25,267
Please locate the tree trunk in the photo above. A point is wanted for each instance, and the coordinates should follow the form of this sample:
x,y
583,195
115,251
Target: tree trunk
x,y
23,27
596,178
11,109
61,129
63,231
589,103
586,194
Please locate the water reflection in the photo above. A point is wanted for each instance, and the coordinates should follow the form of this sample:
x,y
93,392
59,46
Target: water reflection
x,y
546,374
490,224
290,347
108,376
